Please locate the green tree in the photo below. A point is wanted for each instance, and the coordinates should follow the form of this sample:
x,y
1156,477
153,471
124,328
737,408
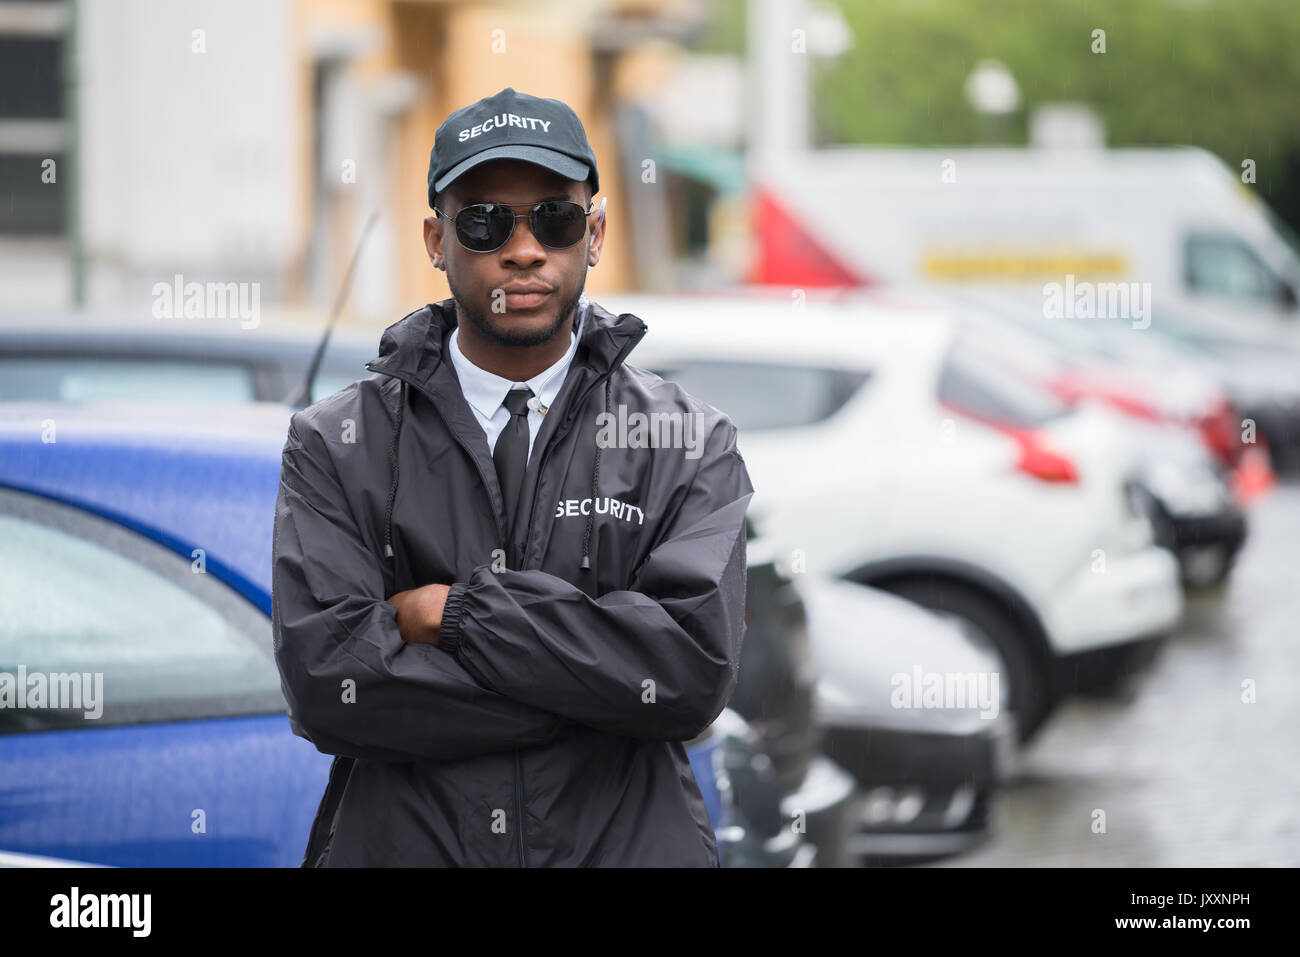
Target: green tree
x,y
1221,74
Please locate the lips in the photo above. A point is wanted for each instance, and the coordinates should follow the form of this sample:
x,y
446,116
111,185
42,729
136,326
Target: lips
x,y
526,295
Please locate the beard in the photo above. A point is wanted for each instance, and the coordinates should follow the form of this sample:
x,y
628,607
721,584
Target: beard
x,y
497,328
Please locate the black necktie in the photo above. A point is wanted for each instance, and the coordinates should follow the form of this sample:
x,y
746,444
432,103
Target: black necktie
x,y
511,452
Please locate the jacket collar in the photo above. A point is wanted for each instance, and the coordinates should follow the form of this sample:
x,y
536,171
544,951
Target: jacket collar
x,y
413,347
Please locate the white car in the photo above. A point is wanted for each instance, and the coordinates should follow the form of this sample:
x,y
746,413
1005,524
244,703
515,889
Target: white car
x,y
1195,472
888,446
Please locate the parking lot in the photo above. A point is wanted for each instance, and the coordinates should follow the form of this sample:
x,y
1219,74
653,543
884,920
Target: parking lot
x,y
1186,773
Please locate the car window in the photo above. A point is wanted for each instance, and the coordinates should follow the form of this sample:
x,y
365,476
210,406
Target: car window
x,y
81,379
978,379
760,395
82,597
1226,266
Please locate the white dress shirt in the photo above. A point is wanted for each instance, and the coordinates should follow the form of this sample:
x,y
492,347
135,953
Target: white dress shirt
x,y
486,391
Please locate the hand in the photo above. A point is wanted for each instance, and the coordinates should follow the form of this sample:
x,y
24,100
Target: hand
x,y
419,613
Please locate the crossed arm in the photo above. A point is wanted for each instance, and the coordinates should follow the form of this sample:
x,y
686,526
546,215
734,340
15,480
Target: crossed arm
x,y
508,659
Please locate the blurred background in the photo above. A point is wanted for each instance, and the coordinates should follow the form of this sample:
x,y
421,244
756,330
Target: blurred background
x,y
249,141
1004,298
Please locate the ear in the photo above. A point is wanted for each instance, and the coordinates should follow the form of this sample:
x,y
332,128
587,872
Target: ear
x,y
597,234
433,236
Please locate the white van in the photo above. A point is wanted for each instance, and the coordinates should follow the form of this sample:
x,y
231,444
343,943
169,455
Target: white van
x,y
1198,245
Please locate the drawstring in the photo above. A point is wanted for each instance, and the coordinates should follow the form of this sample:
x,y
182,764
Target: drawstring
x,y
392,460
595,476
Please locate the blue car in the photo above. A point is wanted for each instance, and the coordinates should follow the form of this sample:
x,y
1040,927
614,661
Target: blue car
x,y
142,721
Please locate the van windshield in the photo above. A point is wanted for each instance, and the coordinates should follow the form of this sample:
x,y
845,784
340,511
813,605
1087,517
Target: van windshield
x,y
1289,237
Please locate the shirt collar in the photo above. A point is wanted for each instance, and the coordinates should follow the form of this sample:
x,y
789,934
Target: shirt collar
x,y
485,390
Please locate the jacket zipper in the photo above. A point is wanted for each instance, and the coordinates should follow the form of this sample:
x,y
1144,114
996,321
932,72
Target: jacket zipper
x,y
519,799
519,809
561,432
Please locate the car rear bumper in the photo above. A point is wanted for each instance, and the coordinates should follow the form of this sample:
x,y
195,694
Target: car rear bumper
x,y
921,795
928,838
899,757
1206,545
1116,598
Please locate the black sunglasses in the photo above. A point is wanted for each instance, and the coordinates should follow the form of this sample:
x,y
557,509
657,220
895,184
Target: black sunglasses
x,y
483,227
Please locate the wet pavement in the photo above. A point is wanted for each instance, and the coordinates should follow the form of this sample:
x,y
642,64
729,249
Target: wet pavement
x,y
1186,773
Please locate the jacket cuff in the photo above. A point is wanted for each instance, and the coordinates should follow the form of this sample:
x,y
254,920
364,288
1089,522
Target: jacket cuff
x,y
449,631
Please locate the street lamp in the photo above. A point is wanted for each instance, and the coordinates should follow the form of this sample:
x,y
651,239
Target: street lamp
x,y
994,94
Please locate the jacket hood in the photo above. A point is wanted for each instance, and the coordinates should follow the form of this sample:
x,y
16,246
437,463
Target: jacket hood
x,y
412,347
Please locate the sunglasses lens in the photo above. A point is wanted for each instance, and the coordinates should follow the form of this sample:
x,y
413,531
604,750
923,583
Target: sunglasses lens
x,y
559,224
483,227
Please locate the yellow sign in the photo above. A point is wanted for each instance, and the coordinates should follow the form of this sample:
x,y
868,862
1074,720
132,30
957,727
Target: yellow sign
x,y
1022,265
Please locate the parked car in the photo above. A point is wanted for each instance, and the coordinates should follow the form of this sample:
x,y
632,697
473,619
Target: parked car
x,y
139,549
816,668
754,828
1261,382
776,690
136,543
1159,374
1194,476
895,449
774,696
927,771
78,358
8,859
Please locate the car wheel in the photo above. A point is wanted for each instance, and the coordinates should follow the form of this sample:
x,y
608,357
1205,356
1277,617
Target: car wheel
x,y
1030,695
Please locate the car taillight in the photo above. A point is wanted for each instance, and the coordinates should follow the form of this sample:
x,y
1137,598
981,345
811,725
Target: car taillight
x,y
1218,429
1041,462
1036,458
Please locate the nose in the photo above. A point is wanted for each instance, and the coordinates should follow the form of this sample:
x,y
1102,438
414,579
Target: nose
x,y
522,249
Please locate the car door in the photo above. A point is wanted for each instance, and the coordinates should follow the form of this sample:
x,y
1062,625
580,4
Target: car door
x,y
141,717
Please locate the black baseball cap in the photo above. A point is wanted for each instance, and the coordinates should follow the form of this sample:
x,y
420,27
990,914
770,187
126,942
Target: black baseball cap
x,y
511,125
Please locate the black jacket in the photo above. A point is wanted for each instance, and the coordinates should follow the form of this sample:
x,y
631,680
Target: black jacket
x,y
547,728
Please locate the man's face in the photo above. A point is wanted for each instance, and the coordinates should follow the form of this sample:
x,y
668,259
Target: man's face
x,y
482,282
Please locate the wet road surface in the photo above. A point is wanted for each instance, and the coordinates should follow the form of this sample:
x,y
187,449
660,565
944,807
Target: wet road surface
x,y
1186,773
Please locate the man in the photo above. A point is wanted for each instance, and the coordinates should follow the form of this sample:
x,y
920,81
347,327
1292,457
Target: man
x,y
502,608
